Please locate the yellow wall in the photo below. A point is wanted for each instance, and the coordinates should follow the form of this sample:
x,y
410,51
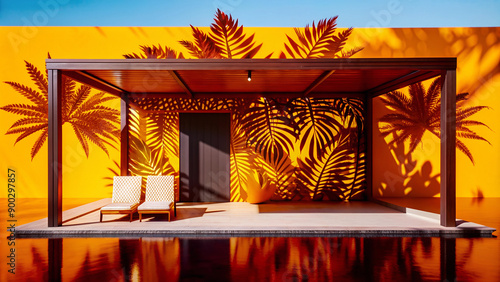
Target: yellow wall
x,y
477,49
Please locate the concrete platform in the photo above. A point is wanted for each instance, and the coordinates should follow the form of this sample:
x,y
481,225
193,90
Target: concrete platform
x,y
244,219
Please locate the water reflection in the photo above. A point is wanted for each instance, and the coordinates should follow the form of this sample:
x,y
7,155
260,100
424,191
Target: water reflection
x,y
258,259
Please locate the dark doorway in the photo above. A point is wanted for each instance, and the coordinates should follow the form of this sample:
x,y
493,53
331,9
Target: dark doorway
x,y
204,157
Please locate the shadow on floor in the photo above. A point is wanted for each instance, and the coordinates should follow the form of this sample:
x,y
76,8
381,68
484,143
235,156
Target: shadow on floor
x,y
185,213
323,207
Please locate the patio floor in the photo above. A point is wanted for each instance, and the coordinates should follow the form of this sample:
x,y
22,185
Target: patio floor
x,y
244,219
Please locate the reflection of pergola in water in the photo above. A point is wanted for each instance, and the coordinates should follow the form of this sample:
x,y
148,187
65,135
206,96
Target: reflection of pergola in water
x,y
206,78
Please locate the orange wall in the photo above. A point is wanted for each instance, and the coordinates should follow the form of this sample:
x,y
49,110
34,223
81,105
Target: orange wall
x,y
477,49
417,175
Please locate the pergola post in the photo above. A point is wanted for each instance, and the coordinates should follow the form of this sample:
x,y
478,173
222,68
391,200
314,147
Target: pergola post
x,y
124,127
448,151
55,147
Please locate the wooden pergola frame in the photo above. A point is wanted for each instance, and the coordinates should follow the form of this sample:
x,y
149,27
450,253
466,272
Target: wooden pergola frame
x,y
364,78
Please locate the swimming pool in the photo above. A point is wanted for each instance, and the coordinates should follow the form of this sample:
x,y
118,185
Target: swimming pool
x,y
265,258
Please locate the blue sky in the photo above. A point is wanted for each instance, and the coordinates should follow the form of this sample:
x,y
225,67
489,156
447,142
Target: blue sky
x,y
269,13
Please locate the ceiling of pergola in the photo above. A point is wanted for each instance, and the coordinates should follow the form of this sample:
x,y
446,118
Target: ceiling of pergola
x,y
219,78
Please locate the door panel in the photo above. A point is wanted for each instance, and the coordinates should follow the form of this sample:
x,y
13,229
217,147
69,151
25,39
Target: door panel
x,y
204,157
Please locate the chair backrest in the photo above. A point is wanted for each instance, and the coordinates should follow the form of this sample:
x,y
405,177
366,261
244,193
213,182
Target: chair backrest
x,y
127,189
160,188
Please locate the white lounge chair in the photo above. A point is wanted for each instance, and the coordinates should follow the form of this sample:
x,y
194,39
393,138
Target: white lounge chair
x,y
160,196
126,196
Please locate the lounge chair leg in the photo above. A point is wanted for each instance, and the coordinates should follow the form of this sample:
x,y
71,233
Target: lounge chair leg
x,y
175,211
140,217
131,217
168,217
100,217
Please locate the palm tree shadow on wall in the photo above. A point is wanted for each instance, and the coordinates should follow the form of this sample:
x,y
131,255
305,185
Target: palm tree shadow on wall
x,y
87,113
266,133
410,180
411,116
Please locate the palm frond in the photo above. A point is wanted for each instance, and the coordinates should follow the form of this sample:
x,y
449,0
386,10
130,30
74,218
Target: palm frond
x,y
463,113
350,53
144,162
282,175
90,119
203,46
22,129
241,164
135,119
29,93
358,184
398,101
39,142
463,148
464,123
38,78
155,52
267,131
141,160
317,124
398,119
92,102
314,41
89,134
27,131
231,39
161,136
26,110
418,95
81,139
411,116
433,96
469,134
318,41
330,173
338,44
80,96
24,122
68,97
350,111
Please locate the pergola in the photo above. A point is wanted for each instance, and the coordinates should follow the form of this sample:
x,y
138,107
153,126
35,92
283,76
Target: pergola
x,y
364,78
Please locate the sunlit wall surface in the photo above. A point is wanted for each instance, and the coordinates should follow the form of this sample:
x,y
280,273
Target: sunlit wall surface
x,y
396,171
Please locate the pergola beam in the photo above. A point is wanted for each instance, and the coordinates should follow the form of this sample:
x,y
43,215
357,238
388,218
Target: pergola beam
x,y
181,83
317,82
254,64
401,82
